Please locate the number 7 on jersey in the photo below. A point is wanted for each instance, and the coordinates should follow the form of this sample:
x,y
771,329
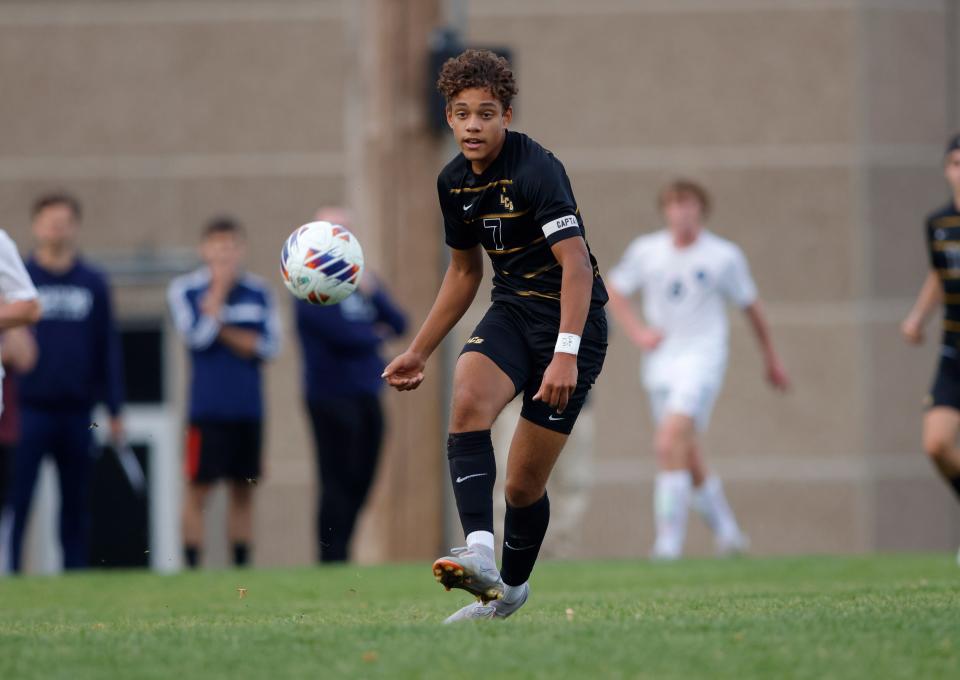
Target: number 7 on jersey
x,y
495,224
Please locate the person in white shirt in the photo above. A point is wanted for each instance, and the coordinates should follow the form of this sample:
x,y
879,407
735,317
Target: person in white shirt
x,y
19,303
19,306
687,275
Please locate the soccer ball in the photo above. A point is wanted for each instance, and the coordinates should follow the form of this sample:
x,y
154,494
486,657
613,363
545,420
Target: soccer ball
x,y
321,263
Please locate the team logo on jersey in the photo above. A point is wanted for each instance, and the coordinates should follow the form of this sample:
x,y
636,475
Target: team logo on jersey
x,y
475,340
505,200
676,290
65,303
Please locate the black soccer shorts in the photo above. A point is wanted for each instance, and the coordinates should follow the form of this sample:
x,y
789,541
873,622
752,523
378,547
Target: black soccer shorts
x,y
520,341
223,450
946,383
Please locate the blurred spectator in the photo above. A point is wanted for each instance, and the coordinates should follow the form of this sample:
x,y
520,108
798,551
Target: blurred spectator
x,y
78,365
342,382
229,322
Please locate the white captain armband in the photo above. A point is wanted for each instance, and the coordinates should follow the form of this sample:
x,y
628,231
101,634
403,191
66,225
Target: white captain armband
x,y
553,226
568,343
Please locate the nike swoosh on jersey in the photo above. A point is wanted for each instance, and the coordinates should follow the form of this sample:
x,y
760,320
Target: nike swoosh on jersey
x,y
468,206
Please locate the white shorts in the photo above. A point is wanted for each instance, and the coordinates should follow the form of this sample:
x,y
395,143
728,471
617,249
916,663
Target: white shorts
x,y
693,399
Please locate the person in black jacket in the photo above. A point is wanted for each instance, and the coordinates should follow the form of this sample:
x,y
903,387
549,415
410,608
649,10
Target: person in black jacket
x,y
340,345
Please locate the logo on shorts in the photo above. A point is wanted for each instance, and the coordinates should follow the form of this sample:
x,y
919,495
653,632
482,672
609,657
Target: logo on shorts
x,y
475,340
554,418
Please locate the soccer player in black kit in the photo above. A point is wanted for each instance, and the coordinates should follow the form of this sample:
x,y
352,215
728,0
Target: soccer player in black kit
x,y
544,335
941,424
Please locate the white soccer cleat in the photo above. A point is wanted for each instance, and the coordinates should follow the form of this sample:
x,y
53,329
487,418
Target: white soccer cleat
x,y
497,609
473,569
666,551
733,546
475,611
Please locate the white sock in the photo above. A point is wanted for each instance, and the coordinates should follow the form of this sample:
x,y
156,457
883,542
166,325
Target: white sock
x,y
710,501
484,538
512,593
671,503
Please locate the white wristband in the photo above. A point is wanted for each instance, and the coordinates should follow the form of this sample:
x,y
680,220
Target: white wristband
x,y
568,343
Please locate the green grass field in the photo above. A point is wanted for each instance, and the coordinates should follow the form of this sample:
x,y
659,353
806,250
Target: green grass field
x,y
817,617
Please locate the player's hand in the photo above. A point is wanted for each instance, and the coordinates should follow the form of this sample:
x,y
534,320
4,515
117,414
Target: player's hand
x,y
647,339
118,433
559,381
912,331
405,372
222,277
777,375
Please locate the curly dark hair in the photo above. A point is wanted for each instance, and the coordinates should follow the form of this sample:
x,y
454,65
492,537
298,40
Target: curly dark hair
x,y
481,69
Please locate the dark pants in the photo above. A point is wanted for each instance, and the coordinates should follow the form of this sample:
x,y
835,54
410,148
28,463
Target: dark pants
x,y
66,436
6,465
348,432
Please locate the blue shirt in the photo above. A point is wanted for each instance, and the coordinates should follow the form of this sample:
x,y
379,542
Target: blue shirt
x,y
223,385
341,343
79,362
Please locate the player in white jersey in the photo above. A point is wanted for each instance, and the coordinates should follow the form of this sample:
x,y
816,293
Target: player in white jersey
x,y
687,276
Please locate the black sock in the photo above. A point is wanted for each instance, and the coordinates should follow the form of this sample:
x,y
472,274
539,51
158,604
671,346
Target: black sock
x,y
523,532
473,470
955,483
191,554
241,554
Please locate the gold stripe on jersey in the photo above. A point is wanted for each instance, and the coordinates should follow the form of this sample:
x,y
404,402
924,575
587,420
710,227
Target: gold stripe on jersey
x,y
948,274
476,190
542,270
946,221
495,215
533,293
517,249
945,245
951,299
951,326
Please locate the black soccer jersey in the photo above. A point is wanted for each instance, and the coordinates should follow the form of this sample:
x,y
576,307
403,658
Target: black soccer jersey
x,y
943,240
517,209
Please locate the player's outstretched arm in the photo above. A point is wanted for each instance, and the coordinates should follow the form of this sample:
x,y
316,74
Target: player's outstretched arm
x,y
929,298
776,373
576,286
643,336
19,313
459,287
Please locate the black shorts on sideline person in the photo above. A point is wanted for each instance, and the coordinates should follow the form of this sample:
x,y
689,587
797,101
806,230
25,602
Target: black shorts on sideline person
x,y
228,450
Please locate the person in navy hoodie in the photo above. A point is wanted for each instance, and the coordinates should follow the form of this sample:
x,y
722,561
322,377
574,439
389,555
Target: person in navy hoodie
x,y
340,346
228,321
78,365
